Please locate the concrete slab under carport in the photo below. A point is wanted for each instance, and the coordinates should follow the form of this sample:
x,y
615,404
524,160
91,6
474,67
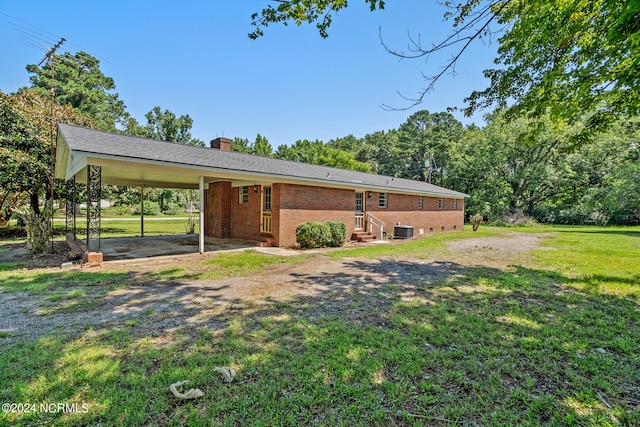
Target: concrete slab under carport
x,y
125,248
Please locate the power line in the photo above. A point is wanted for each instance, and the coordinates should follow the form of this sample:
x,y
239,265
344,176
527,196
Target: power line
x,y
43,35
31,33
32,26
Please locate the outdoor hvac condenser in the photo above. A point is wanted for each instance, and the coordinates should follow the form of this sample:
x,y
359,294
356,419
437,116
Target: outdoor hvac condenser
x,y
403,232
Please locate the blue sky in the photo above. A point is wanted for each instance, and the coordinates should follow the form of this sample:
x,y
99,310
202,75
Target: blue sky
x,y
194,57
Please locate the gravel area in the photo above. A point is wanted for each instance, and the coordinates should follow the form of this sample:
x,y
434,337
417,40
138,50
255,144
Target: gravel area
x,y
161,306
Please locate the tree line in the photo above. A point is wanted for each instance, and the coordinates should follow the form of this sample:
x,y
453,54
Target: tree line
x,y
541,168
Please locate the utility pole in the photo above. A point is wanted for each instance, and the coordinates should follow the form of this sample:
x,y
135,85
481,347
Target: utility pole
x,y
51,56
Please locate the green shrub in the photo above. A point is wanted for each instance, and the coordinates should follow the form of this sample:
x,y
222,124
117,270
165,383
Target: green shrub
x,y
338,233
321,234
150,208
173,209
121,210
476,220
313,234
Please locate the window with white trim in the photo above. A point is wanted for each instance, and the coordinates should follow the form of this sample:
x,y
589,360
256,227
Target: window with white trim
x,y
420,203
383,200
454,204
244,195
440,203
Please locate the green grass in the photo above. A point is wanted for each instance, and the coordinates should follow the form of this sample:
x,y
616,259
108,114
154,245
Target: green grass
x,y
243,263
552,339
226,265
422,247
122,228
48,283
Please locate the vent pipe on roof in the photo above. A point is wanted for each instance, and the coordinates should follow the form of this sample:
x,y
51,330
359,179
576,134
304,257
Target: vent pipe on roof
x,y
221,144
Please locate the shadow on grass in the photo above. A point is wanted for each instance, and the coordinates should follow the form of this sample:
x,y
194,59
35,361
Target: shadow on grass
x,y
382,342
603,230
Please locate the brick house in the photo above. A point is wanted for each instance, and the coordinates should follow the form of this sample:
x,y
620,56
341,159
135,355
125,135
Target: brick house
x,y
256,198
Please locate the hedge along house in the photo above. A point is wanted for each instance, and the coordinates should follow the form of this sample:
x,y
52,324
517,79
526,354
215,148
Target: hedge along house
x,y
250,197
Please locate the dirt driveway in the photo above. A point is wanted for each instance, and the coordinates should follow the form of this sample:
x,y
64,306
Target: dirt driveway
x,y
160,306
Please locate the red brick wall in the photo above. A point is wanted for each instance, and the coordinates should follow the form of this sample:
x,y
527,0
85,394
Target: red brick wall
x,y
403,209
245,221
294,204
297,204
301,203
218,210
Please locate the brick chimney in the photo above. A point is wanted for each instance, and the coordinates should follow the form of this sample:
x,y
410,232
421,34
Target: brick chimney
x,y
221,144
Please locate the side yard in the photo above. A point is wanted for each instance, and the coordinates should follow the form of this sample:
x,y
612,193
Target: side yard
x,y
536,326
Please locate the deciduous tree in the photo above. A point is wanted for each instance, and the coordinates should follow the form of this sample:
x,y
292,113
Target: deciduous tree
x,y
317,153
26,147
164,126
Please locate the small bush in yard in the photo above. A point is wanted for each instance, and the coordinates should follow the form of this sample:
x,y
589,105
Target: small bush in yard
x,y
313,234
476,220
338,233
150,208
321,234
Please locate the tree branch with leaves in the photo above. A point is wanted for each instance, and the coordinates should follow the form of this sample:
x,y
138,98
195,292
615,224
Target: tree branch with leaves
x,y
572,59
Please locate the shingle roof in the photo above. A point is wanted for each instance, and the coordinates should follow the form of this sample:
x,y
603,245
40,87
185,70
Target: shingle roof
x,y
87,141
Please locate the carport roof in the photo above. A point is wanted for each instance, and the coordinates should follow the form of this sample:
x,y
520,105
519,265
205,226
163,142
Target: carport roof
x,y
129,160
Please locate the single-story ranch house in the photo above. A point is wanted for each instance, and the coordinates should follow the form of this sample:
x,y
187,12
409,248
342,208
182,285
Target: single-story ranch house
x,y
251,197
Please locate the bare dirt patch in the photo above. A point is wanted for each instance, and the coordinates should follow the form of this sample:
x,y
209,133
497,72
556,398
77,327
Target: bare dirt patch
x,y
495,250
155,306
16,253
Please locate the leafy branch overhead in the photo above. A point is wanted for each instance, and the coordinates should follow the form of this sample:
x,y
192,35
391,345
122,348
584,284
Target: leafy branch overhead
x,y
573,59
302,11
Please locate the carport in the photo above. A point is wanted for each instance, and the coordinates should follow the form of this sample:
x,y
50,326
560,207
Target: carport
x,y
95,158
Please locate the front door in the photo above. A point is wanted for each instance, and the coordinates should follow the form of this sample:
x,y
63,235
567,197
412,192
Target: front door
x,y
359,224
265,223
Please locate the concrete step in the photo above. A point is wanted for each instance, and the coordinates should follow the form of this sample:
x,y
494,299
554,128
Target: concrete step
x,y
266,242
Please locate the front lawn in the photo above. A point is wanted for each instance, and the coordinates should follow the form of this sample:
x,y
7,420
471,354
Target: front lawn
x,y
545,337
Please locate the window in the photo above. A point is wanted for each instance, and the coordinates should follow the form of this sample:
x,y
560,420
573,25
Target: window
x,y
383,200
440,203
359,202
266,199
454,204
419,202
244,195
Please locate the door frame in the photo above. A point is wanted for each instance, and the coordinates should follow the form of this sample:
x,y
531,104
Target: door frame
x,y
359,220
265,214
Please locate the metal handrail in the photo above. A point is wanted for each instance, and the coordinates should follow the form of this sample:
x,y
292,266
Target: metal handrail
x,y
372,220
